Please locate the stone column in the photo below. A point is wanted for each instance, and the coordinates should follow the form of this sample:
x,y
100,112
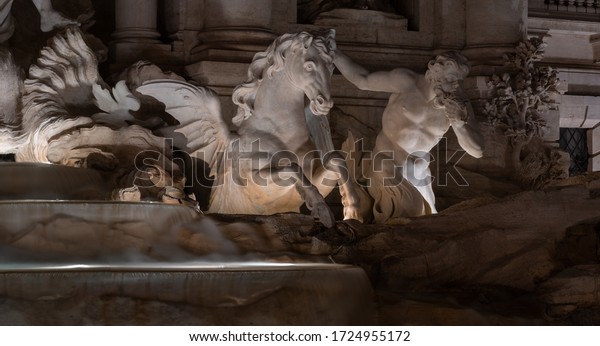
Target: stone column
x,y
235,25
234,30
136,36
183,20
135,21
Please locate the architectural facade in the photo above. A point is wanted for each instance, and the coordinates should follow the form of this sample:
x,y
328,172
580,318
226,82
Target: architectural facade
x,y
213,41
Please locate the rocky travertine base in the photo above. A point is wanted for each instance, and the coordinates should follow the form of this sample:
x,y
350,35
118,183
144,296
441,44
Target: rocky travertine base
x,y
118,263
530,258
527,259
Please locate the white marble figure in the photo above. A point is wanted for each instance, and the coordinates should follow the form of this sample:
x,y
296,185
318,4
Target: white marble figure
x,y
268,166
68,118
50,19
421,108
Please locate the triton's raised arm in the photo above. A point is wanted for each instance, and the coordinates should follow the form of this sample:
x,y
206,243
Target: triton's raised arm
x,y
394,81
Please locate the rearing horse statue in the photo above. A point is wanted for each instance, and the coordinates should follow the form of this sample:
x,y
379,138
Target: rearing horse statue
x,y
271,164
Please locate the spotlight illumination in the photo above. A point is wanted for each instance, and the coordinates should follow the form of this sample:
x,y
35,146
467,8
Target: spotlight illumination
x,y
168,266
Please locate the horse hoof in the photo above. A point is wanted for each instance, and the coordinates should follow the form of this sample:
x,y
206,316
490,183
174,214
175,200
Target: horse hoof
x,y
353,214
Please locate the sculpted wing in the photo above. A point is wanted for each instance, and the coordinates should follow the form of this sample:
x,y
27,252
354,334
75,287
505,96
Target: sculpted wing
x,y
58,92
116,105
201,130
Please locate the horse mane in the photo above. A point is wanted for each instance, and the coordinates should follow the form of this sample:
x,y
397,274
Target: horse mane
x,y
266,63
61,79
58,91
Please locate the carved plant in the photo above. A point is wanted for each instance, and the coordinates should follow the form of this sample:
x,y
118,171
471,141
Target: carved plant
x,y
518,102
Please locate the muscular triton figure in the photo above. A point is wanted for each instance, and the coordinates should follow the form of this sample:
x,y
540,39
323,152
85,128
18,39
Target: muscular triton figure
x,y
421,108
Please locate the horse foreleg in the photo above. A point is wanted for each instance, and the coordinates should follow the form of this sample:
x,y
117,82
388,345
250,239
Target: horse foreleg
x,y
308,192
335,163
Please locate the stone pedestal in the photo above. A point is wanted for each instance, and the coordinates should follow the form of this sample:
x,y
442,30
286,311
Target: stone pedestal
x,y
234,26
492,28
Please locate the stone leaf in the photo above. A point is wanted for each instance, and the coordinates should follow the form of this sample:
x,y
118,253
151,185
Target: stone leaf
x,y
116,104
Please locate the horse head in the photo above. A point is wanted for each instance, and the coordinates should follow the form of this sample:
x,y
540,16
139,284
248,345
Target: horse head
x,y
307,62
309,66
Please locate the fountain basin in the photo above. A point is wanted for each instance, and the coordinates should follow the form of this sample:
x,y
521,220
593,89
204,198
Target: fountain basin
x,y
88,232
22,180
119,263
258,295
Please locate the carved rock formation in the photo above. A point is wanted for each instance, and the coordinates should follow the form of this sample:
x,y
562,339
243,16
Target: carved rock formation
x,y
530,258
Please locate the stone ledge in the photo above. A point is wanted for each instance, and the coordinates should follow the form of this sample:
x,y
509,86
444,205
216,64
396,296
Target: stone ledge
x,y
335,295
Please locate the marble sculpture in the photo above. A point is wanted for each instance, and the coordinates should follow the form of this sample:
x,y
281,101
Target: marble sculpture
x,y
68,117
71,117
270,165
421,108
280,157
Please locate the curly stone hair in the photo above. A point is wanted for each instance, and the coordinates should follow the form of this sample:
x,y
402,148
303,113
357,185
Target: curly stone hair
x,y
438,70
